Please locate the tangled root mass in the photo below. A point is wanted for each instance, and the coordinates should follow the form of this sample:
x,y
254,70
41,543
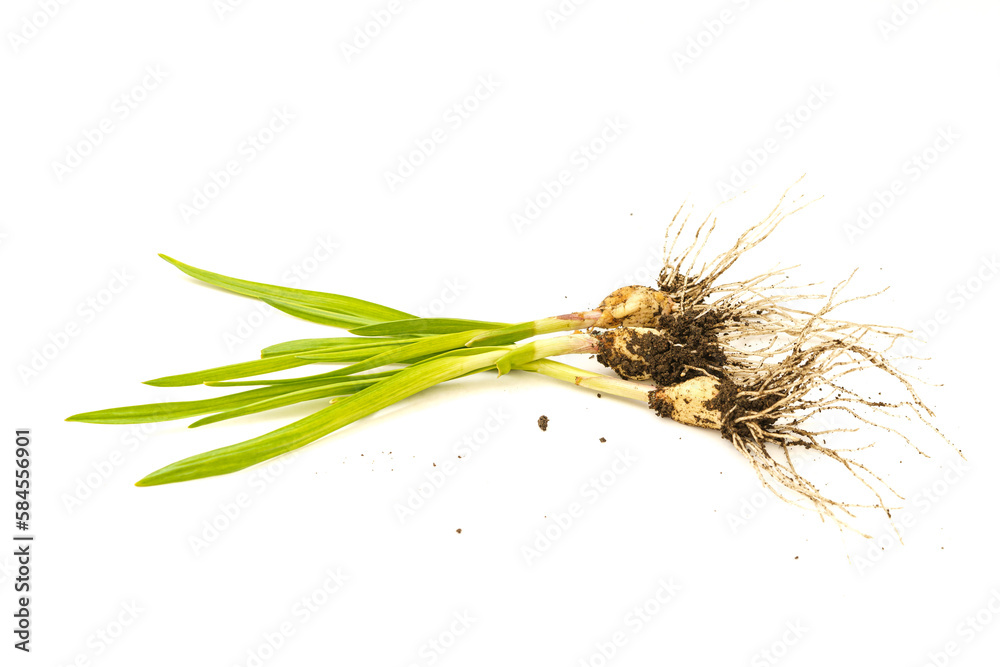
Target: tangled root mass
x,y
782,369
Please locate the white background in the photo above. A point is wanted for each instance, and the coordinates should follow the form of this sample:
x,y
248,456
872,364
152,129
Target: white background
x,y
849,95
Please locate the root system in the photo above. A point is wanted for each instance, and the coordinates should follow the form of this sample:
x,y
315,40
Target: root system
x,y
768,366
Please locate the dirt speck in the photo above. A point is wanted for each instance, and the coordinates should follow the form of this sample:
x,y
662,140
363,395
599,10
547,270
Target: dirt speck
x,y
543,423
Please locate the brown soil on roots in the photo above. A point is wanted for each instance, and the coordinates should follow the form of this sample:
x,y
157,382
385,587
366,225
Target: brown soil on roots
x,y
662,407
766,363
682,288
734,408
687,347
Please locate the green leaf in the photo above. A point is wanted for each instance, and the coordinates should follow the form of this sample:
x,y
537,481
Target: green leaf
x,y
407,382
418,349
289,398
159,412
269,365
330,303
423,325
350,354
505,335
315,314
230,372
313,344
328,377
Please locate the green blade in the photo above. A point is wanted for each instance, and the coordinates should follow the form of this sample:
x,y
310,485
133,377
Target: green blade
x,y
289,398
315,314
350,354
313,344
159,412
230,372
423,325
510,333
321,377
407,382
331,303
416,350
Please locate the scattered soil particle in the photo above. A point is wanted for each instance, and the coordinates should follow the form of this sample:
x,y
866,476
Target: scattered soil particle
x,y
543,423
458,530
604,439
598,394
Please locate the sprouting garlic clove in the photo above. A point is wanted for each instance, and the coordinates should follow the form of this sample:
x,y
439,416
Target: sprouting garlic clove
x,y
633,306
690,402
615,351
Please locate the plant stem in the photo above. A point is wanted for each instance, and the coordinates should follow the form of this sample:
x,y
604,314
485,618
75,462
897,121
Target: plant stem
x,y
546,325
596,381
546,347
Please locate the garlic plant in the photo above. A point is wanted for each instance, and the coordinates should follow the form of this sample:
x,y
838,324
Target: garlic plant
x,y
745,358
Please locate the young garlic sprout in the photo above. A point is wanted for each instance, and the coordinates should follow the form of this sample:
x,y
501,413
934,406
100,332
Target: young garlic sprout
x,y
749,358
